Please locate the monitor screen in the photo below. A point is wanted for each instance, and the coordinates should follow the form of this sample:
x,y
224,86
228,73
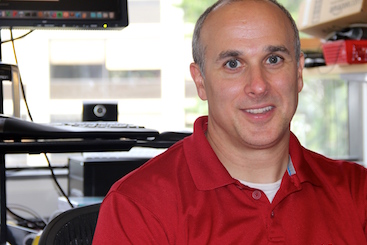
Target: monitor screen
x,y
68,14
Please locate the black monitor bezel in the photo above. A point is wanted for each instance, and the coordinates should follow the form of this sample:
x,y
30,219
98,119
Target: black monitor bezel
x,y
120,21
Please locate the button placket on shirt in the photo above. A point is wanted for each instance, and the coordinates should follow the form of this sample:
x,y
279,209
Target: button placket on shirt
x,y
274,231
256,194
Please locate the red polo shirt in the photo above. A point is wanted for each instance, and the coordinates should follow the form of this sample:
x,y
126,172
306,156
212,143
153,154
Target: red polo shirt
x,y
186,196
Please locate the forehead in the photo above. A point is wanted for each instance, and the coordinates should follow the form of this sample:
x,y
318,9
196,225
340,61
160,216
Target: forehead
x,y
259,21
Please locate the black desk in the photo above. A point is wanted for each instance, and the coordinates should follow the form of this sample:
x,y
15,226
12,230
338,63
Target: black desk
x,y
57,143
51,146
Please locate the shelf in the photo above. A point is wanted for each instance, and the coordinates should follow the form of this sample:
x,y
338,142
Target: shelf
x,y
336,70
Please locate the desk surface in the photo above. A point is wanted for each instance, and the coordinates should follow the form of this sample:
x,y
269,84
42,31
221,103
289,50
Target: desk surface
x,y
60,146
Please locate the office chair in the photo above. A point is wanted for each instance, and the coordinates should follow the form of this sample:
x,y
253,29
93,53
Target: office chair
x,y
73,227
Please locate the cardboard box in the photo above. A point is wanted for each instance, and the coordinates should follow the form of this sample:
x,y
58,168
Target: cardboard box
x,y
320,18
311,44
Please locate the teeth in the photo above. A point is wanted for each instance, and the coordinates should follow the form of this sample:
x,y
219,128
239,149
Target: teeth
x,y
261,110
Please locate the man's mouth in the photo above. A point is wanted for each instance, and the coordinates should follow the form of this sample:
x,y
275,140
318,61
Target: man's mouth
x,y
260,110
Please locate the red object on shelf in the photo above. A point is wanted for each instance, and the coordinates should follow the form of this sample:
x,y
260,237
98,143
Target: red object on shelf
x,y
345,52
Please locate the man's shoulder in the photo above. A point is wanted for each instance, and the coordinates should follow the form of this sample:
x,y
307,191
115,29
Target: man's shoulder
x,y
337,170
335,163
157,173
158,184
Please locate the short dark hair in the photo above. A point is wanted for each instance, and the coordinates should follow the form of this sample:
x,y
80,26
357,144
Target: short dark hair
x,y
198,50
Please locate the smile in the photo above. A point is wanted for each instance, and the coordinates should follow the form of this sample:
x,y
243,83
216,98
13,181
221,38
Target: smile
x,y
260,110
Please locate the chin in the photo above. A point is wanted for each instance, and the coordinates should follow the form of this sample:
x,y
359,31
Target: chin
x,y
263,140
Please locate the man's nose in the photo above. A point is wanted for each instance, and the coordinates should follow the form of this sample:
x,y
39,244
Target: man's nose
x,y
256,82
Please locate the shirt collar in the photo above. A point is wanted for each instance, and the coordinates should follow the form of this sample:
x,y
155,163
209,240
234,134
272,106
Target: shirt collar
x,y
209,173
206,170
290,168
303,162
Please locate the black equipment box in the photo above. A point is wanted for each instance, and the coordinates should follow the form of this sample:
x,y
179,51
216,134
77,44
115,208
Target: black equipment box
x,y
95,176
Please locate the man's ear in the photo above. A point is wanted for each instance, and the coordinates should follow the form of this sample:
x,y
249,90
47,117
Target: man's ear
x,y
300,72
198,80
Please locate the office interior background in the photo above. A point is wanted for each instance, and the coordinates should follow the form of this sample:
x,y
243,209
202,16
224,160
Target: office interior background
x,y
144,68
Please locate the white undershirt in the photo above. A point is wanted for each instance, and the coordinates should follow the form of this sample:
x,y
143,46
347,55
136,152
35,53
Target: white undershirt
x,y
269,189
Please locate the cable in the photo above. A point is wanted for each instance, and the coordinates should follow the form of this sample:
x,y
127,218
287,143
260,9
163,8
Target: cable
x,y
17,38
28,210
57,182
34,223
20,78
30,116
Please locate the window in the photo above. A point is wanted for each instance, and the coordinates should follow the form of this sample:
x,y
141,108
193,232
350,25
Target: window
x,y
321,120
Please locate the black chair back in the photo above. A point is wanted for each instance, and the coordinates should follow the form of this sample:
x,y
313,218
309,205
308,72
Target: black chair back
x,y
73,227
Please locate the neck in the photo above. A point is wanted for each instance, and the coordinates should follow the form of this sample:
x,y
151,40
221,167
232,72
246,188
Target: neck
x,y
251,164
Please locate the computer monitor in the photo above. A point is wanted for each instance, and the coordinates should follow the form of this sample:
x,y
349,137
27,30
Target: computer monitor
x,y
67,14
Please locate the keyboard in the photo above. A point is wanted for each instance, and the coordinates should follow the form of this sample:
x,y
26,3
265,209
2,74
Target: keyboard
x,y
15,128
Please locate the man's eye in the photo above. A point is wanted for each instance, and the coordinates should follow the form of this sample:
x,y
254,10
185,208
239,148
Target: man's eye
x,y
274,59
233,64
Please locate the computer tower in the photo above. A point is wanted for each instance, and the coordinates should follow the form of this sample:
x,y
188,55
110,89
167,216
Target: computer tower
x,y
95,176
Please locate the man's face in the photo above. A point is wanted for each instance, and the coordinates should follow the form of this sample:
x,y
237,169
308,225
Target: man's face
x,y
251,77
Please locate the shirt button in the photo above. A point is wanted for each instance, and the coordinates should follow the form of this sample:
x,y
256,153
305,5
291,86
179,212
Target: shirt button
x,y
272,214
256,195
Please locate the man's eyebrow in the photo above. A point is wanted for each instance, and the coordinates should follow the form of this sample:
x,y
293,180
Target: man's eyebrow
x,y
229,53
273,49
236,53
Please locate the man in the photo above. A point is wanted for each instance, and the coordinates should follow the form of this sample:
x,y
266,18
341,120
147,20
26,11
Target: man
x,y
242,177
